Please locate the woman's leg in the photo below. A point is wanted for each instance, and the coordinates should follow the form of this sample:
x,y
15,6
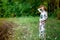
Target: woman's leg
x,y
42,31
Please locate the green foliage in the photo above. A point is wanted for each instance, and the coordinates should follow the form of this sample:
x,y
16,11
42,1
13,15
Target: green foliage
x,y
17,8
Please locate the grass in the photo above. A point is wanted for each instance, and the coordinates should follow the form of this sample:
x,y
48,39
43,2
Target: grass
x,y
53,29
27,28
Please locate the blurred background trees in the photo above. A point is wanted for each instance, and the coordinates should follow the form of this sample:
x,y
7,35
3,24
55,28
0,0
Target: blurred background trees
x,y
17,8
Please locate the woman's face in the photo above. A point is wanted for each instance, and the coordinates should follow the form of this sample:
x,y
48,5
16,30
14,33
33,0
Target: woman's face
x,y
42,8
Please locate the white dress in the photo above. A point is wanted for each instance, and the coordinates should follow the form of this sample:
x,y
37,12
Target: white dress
x,y
43,17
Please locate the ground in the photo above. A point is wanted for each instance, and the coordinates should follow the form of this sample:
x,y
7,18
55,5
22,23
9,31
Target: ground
x,y
27,28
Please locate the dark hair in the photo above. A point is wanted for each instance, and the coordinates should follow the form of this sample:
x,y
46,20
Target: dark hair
x,y
5,30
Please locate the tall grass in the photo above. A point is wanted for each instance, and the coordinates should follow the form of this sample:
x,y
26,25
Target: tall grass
x,y
27,28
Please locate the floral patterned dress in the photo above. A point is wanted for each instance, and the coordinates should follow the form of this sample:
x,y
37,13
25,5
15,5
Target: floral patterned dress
x,y
42,20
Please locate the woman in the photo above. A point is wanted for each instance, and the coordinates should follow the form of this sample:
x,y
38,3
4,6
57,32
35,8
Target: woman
x,y
43,17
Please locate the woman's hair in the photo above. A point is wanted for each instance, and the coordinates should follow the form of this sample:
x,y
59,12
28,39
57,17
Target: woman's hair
x,y
45,8
5,30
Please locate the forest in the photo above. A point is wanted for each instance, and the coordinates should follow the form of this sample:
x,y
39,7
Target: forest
x,y
18,8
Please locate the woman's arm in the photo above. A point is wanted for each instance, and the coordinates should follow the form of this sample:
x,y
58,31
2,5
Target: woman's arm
x,y
45,16
39,9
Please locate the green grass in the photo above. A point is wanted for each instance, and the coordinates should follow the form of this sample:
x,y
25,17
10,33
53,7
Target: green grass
x,y
27,28
53,29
